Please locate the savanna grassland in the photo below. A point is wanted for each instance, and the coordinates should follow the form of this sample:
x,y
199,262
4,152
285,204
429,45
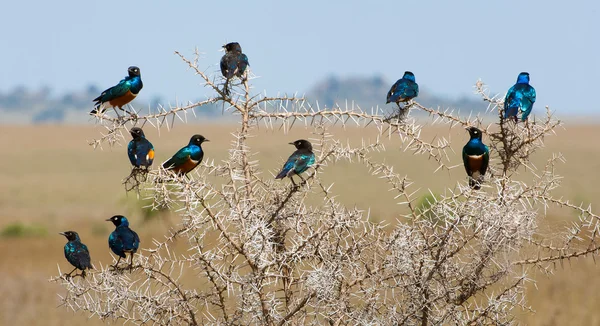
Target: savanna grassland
x,y
52,181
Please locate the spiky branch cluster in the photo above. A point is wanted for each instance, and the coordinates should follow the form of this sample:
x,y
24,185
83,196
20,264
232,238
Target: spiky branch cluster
x,y
270,253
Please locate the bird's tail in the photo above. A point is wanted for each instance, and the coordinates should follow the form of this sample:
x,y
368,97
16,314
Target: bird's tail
x,y
98,108
281,174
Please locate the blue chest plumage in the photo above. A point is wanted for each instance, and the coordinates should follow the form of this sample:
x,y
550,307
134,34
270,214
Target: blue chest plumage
x,y
475,147
123,240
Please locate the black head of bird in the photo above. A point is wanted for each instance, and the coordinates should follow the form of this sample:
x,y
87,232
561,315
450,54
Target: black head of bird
x,y
474,132
136,132
133,71
197,140
117,219
232,47
302,144
70,235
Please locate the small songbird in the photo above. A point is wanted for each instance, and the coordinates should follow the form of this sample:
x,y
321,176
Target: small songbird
x,y
404,89
121,94
299,161
233,63
476,157
520,96
187,158
77,253
140,149
123,239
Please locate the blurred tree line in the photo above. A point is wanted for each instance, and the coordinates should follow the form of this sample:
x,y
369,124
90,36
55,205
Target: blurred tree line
x,y
42,106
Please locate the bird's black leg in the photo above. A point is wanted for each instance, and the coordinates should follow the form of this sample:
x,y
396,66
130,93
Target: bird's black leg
x,y
117,112
293,182
226,88
131,263
303,180
69,275
117,264
83,273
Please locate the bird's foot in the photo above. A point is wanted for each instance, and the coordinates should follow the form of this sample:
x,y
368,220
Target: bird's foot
x,y
115,268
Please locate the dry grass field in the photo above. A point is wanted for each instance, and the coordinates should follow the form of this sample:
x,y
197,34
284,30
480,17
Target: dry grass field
x,y
52,181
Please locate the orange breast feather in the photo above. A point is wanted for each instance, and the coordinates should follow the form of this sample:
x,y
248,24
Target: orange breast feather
x,y
475,162
122,100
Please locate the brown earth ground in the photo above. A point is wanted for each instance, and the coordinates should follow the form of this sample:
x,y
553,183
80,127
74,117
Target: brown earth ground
x,y
52,181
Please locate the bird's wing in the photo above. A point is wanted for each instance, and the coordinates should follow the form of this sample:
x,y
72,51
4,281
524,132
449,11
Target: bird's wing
x,y
486,161
228,66
287,167
303,161
392,95
528,98
223,65
136,239
242,64
413,89
114,92
144,152
179,158
465,158
83,255
512,102
131,152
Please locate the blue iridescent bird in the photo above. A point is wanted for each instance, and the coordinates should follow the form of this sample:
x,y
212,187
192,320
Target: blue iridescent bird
x,y
476,158
187,158
123,239
520,97
404,90
77,253
233,63
140,149
121,94
299,161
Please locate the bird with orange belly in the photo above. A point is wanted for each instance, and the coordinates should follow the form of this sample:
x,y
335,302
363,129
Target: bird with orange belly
x,y
476,158
121,94
187,158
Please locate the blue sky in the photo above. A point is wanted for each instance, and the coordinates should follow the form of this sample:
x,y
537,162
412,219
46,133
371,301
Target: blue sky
x,y
68,45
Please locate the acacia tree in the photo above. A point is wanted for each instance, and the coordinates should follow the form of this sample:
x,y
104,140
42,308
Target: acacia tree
x,y
262,255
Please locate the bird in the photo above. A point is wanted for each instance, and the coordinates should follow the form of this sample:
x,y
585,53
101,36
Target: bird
x,y
140,149
404,89
123,239
299,161
520,96
122,93
187,158
476,157
77,253
233,63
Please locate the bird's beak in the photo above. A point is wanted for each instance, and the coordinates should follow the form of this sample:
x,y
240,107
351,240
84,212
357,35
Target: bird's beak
x,y
291,143
468,128
222,48
207,140
108,219
62,233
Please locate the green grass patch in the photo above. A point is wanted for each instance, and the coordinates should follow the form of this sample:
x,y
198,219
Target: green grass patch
x,y
20,230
